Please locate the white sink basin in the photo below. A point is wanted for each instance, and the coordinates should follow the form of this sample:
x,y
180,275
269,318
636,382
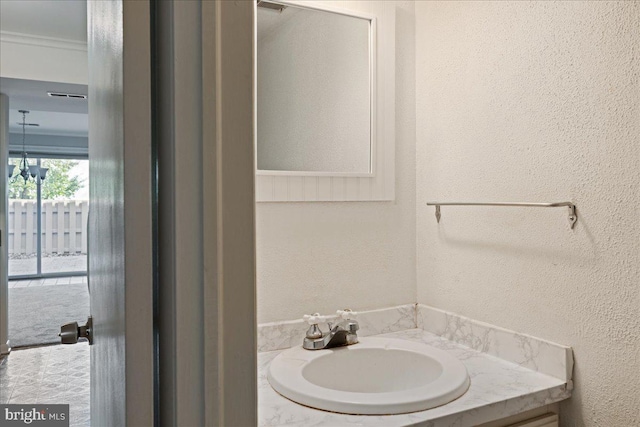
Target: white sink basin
x,y
375,376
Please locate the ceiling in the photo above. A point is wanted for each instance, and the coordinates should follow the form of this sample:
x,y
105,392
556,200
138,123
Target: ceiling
x,y
56,116
59,19
32,95
50,123
62,19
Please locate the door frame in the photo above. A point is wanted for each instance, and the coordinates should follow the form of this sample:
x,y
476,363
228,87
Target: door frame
x,y
228,52
190,335
204,131
5,345
221,291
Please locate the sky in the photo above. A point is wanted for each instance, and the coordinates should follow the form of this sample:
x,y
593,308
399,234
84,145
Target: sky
x,y
82,171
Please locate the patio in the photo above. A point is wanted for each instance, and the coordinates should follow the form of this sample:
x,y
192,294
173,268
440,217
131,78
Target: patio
x,y
47,282
50,264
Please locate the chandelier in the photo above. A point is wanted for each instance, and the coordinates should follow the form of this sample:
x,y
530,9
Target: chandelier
x,y
26,169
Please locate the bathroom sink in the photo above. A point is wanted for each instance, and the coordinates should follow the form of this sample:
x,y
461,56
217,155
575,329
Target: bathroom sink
x,y
376,376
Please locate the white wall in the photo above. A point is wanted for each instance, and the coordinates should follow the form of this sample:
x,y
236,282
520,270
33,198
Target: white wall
x,y
324,256
536,101
314,106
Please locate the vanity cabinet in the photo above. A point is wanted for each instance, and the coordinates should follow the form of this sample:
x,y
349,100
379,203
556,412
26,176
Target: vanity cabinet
x,y
535,418
550,420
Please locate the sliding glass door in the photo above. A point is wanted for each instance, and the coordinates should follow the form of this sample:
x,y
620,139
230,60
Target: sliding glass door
x,y
48,219
23,223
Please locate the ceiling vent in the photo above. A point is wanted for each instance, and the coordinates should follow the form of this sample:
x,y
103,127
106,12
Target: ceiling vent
x,y
66,95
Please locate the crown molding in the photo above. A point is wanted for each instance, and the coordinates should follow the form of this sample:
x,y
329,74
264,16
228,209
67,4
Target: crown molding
x,y
43,41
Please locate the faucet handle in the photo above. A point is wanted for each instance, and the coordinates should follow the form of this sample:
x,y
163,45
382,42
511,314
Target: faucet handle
x,y
347,314
314,331
314,319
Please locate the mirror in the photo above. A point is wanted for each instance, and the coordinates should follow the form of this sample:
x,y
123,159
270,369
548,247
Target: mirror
x,y
314,91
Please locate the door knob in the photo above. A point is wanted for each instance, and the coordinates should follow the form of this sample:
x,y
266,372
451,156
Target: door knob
x,y
72,332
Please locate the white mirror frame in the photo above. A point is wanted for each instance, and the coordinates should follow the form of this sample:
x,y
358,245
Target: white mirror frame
x,y
379,185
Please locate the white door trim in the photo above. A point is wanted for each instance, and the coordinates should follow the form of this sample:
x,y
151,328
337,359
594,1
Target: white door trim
x,y
5,346
229,259
205,135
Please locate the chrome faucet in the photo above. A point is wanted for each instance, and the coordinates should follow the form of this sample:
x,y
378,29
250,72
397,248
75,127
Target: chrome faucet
x,y
343,333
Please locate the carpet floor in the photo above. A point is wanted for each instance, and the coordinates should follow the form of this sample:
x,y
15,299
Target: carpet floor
x,y
36,313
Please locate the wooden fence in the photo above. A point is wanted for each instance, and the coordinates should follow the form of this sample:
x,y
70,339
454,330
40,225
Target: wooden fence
x,y
64,227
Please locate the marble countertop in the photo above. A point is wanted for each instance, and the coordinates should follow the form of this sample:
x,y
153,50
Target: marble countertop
x,y
498,389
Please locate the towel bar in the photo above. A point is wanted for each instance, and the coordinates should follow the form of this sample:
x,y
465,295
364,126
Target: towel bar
x,y
573,217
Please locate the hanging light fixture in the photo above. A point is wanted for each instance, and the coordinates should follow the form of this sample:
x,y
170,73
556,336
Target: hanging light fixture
x,y
27,170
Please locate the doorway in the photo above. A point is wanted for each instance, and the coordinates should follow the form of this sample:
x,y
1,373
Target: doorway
x,y
47,235
44,72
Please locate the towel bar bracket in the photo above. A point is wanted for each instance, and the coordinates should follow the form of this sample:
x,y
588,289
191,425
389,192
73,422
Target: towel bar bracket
x,y
573,217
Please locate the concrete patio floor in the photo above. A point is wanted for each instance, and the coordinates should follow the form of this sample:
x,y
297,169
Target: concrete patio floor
x,y
50,265
47,282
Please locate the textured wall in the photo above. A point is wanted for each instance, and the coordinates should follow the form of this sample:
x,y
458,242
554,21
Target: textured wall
x,y
536,101
325,256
